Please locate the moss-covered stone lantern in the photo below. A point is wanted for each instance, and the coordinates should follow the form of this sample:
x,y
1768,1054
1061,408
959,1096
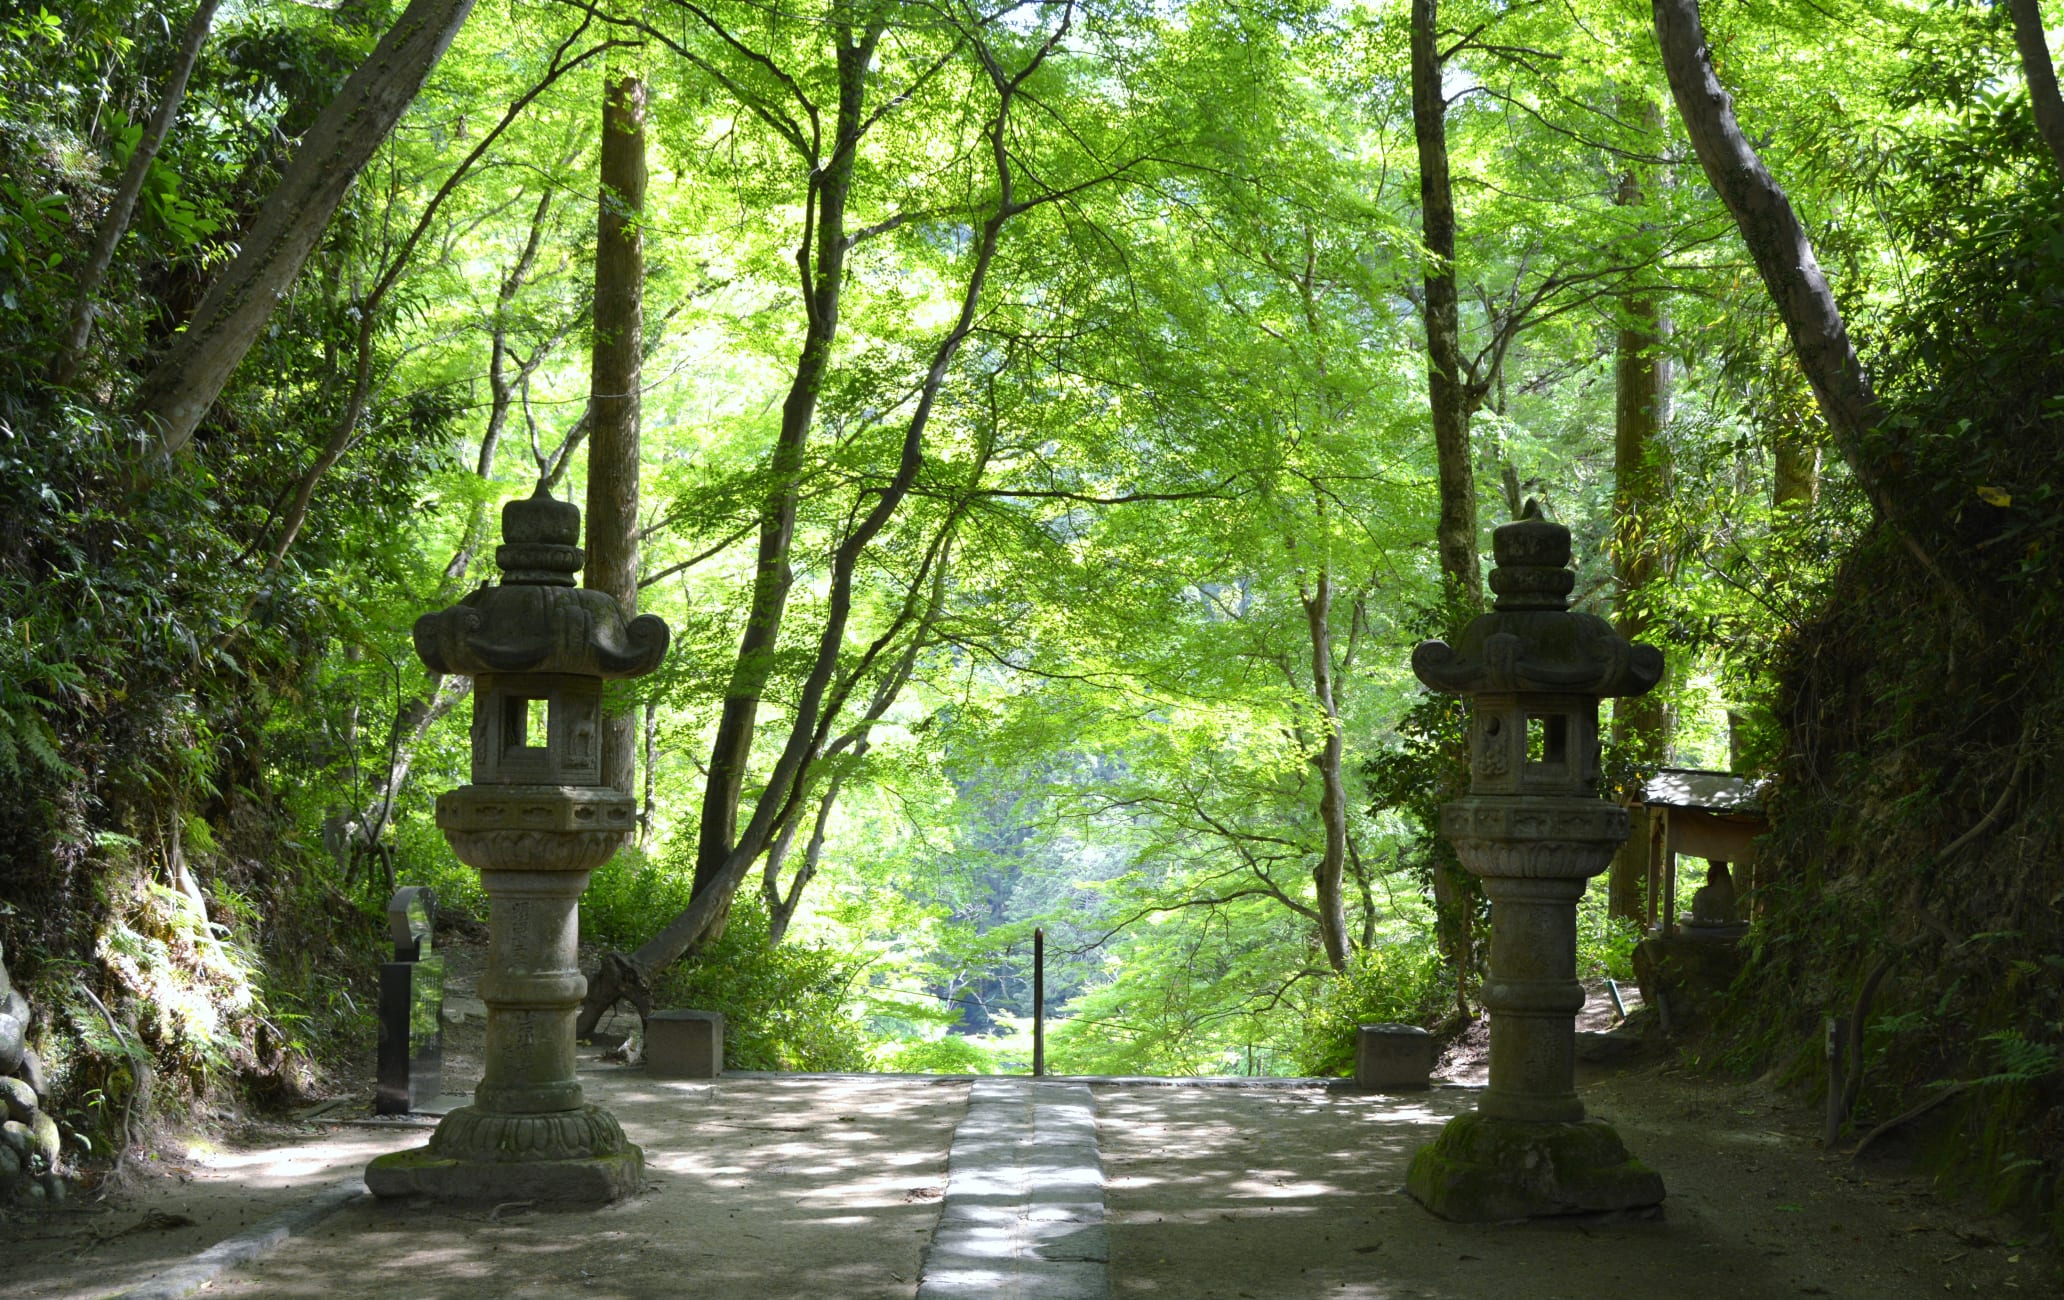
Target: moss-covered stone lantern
x,y
1534,829
535,822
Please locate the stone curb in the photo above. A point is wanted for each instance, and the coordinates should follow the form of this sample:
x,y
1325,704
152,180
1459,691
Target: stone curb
x,y
1023,1217
197,1272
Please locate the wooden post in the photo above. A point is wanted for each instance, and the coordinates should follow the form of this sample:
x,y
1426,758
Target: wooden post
x,y
1038,1002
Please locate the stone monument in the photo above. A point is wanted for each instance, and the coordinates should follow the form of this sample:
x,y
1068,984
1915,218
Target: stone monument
x,y
535,822
411,1051
1533,828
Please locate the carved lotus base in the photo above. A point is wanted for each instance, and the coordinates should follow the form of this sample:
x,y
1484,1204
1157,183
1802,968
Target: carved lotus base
x,y
574,1157
535,827
1538,836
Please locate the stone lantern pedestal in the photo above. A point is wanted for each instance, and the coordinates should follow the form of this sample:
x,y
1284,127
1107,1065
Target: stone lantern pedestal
x,y
1533,828
535,822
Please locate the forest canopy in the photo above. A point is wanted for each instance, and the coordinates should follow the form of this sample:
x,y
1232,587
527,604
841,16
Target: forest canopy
x,y
1046,427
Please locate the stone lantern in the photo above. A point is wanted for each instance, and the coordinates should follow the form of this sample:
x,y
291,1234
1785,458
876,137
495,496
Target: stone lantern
x,y
1534,829
535,822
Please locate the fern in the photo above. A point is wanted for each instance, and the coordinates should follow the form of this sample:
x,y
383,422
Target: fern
x,y
2021,1061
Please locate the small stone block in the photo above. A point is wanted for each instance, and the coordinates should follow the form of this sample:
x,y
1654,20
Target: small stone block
x,y
684,1044
1389,1057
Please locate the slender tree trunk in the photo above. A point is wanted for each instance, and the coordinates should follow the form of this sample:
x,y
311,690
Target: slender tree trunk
x,y
2034,45
782,904
1328,876
731,752
612,539
1784,258
1448,393
1448,389
114,223
195,368
438,694
651,771
1641,404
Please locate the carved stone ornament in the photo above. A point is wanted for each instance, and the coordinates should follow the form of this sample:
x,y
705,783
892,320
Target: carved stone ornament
x,y
1531,640
536,620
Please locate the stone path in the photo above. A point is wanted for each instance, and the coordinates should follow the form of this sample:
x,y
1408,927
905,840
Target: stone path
x,y
1024,1208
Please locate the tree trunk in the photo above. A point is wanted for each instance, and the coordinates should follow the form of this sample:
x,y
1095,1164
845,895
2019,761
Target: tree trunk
x,y
612,538
1784,258
1448,394
1641,403
2041,74
651,771
1448,390
195,368
782,904
1328,876
114,223
731,752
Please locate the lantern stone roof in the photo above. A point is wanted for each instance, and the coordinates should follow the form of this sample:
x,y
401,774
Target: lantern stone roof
x,y
1531,640
536,620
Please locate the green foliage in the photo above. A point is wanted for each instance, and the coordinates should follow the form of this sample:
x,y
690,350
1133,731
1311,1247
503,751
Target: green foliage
x,y
628,893
785,1008
1605,943
951,1054
1393,984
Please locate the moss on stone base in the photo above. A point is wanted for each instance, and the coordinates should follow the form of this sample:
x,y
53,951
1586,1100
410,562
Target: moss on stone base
x,y
586,1180
1485,1170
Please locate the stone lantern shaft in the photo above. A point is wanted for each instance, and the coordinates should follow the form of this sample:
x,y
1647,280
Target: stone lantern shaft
x,y
1534,830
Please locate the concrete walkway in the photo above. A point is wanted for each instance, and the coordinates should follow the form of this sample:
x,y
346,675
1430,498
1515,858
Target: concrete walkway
x,y
1024,1210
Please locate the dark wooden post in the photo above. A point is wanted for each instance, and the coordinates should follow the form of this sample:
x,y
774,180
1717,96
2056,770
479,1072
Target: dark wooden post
x,y
1038,1002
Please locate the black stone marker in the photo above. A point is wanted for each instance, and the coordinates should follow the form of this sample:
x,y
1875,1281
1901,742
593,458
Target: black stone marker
x,y
411,1008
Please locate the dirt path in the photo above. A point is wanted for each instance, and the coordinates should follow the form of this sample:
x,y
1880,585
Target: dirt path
x,y
1279,1194
828,1187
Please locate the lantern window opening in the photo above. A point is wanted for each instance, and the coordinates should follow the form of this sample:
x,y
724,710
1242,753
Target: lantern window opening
x,y
525,717
1547,738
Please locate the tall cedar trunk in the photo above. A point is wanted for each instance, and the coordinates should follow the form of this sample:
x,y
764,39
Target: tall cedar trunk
x,y
612,540
1328,876
2041,74
1641,403
114,223
1449,396
1448,390
194,369
731,753
1784,258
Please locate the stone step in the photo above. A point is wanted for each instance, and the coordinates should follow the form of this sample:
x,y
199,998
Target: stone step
x,y
1023,1216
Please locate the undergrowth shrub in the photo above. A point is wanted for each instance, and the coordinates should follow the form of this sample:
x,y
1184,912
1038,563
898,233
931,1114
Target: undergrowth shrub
x,y
786,1007
952,1054
631,894
1387,984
